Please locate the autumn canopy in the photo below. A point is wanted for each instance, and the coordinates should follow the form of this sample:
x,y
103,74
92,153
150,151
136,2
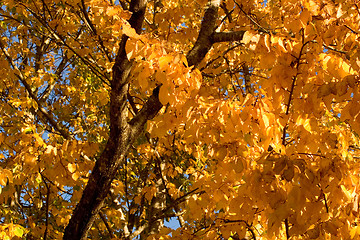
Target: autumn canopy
x,y
232,119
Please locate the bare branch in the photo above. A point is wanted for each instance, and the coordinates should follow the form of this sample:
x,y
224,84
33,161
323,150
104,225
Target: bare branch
x,y
250,18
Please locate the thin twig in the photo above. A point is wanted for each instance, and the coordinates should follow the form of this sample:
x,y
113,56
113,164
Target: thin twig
x,y
46,206
93,29
334,49
103,218
60,39
287,228
250,18
292,90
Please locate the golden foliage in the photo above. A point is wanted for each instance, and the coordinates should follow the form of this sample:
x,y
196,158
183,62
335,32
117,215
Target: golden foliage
x,y
260,139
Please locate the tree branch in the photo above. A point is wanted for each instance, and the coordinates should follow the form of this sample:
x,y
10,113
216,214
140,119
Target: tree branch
x,y
122,135
21,77
106,224
60,39
203,43
227,36
47,207
149,110
93,29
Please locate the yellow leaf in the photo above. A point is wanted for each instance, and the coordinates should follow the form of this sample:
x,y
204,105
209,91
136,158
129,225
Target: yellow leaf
x,y
266,120
239,165
355,231
268,60
5,176
247,37
289,173
280,164
340,11
165,61
39,140
267,42
324,90
49,149
281,44
111,11
354,109
161,78
184,59
342,88
144,78
149,192
71,167
350,80
129,31
305,17
279,41
307,125
164,95
331,228
346,192
313,233
103,98
29,159
220,153
131,48
27,130
75,176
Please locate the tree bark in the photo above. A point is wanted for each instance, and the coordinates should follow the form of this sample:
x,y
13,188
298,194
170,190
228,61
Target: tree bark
x,y
122,135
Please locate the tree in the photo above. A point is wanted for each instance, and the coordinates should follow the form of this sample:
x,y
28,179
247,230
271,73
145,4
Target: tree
x,y
238,119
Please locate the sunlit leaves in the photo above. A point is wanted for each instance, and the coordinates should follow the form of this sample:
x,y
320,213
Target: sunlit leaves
x,y
261,139
11,231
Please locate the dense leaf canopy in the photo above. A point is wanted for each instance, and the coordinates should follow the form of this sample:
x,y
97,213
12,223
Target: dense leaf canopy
x,y
238,119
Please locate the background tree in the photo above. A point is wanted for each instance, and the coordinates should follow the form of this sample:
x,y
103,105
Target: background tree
x,y
239,119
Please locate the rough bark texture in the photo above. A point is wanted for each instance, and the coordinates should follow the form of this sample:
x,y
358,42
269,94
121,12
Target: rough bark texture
x,y
203,42
124,133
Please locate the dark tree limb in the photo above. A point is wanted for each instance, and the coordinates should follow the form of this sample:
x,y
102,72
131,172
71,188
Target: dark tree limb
x,y
203,43
122,135
227,36
207,35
